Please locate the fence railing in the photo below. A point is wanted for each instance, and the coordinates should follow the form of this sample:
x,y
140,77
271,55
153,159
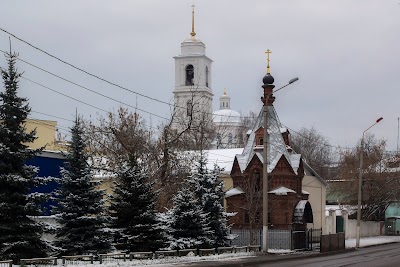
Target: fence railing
x,y
7,263
278,239
116,257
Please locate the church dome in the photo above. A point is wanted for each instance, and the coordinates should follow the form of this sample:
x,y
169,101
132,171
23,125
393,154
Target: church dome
x,y
268,79
226,117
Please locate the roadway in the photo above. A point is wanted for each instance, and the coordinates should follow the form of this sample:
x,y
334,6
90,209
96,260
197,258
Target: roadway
x,y
382,256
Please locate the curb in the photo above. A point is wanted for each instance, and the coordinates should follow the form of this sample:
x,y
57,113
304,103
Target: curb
x,y
261,259
273,258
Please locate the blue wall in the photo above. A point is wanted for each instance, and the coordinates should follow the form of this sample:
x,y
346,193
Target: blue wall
x,y
49,164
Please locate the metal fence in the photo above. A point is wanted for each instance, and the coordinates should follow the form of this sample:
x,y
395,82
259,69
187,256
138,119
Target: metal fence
x,y
278,239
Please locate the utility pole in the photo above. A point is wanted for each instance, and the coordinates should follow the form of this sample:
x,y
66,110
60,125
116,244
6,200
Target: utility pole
x,y
397,151
267,100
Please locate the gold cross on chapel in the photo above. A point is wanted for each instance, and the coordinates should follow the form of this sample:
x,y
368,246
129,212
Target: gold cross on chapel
x,y
268,52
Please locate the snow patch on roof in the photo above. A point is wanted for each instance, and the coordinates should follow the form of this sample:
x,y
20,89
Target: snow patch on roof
x,y
304,192
233,192
281,191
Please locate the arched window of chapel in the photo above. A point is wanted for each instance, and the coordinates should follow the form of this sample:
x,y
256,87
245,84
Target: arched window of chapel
x,y
257,180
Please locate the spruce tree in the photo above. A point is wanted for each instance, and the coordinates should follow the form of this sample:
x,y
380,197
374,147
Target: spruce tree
x,y
208,190
188,223
19,235
80,204
133,210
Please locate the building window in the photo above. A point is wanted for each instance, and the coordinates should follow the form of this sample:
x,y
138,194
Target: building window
x,y
227,105
189,75
230,139
261,142
189,108
246,217
207,76
257,180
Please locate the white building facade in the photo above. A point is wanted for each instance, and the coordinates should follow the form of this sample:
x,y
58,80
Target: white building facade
x,y
192,93
228,125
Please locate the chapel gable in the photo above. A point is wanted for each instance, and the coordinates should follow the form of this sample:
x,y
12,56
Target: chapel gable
x,y
235,168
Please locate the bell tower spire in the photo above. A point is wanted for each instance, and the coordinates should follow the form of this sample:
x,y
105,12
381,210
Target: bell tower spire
x,y
193,33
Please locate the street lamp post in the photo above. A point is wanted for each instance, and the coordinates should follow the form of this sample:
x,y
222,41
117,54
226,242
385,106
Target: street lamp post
x,y
267,100
360,184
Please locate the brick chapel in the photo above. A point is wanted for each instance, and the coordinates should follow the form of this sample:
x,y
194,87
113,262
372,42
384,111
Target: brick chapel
x,y
288,206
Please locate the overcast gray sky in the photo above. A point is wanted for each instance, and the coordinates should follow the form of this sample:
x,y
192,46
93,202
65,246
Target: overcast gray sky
x,y
345,52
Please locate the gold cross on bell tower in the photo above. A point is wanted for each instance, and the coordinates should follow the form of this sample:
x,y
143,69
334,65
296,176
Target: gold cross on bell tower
x,y
193,33
268,68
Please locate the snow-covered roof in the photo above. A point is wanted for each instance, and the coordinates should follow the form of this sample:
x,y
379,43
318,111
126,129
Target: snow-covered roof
x,y
304,192
226,117
222,157
192,39
281,191
339,209
234,191
277,147
283,129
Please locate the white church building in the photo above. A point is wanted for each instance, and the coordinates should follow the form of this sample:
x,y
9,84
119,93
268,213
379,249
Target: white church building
x,y
193,94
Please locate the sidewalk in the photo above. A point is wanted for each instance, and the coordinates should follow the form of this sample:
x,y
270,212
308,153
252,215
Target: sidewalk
x,y
372,241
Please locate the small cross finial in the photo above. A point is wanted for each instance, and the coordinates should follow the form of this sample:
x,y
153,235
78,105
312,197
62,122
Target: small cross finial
x,y
268,52
193,33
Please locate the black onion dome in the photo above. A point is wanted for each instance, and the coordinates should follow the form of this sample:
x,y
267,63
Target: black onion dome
x,y
268,79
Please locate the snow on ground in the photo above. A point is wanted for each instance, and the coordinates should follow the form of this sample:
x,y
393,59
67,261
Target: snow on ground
x,y
372,240
169,261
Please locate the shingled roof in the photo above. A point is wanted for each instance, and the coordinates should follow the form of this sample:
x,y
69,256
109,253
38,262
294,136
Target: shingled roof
x,y
276,146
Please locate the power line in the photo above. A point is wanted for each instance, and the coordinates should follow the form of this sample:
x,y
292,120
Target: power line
x,y
48,125
86,88
52,116
82,70
148,126
113,84
95,76
292,130
53,90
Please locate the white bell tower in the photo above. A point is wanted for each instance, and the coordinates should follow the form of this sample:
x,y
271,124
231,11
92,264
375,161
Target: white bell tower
x,y
192,92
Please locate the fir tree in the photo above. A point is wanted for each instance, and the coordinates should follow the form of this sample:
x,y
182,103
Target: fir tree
x,y
133,210
80,211
208,190
19,235
189,225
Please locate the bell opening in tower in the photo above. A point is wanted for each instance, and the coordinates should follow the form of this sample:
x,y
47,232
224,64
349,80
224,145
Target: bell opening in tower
x,y
189,75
